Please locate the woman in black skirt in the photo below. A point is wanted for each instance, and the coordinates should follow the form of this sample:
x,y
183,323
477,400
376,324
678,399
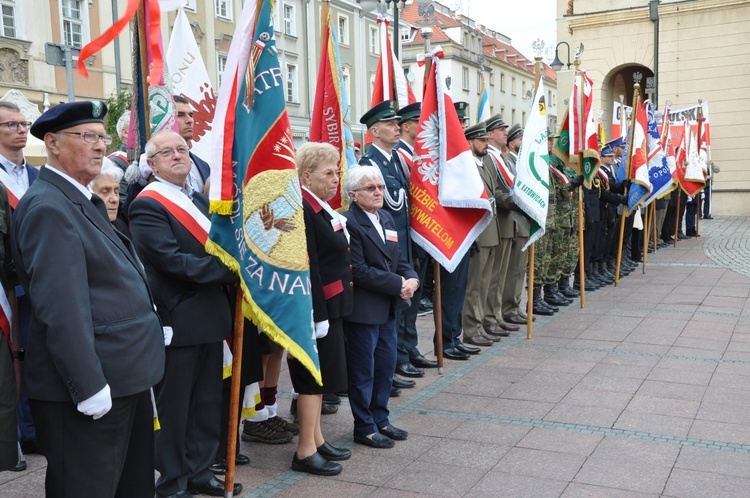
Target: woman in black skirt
x,y
331,282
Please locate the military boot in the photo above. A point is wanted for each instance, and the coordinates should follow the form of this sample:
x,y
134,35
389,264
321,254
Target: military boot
x,y
539,306
553,297
565,288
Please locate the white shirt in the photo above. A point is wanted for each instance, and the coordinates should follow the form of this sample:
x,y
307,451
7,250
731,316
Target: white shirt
x,y
375,219
84,190
194,178
336,217
18,174
187,189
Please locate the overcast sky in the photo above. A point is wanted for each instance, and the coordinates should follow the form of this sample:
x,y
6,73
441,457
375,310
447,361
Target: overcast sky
x,y
522,20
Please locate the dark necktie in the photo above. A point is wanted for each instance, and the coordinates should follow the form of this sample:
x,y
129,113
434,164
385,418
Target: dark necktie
x,y
99,205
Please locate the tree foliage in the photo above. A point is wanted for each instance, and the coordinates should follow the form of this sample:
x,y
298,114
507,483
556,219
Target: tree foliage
x,y
117,105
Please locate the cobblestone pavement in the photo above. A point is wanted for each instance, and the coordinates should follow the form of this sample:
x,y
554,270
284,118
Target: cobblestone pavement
x,y
644,392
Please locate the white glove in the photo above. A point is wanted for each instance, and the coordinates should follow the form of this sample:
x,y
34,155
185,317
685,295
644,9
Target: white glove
x,y
168,333
321,329
97,405
145,168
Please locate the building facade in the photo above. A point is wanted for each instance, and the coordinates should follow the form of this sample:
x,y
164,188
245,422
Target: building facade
x,y
692,49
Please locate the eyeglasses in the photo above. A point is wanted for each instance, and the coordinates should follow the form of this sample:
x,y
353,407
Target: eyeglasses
x,y
13,125
90,137
372,188
168,152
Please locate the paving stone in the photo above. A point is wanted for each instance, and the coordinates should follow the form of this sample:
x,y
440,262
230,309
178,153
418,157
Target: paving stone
x,y
692,483
540,463
438,479
496,484
578,490
653,423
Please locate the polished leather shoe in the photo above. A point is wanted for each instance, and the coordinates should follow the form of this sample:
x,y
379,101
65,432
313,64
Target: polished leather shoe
x,y
400,383
510,327
515,319
214,487
315,464
333,454
494,330
394,433
422,362
490,337
709,217
478,341
455,354
541,309
395,392
523,315
376,441
221,468
408,370
467,349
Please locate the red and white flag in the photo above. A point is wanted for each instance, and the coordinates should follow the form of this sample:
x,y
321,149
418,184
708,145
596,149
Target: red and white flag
x,y
449,206
390,82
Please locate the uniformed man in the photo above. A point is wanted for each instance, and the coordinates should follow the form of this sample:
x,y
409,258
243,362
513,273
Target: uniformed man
x,y
462,109
410,360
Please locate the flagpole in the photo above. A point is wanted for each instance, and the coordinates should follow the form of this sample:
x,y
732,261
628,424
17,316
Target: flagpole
x,y
655,230
143,83
677,218
581,245
628,161
646,234
234,400
698,200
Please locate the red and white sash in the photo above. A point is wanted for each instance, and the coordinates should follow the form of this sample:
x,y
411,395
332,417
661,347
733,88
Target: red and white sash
x,y
13,195
560,175
605,177
502,168
5,318
407,161
179,206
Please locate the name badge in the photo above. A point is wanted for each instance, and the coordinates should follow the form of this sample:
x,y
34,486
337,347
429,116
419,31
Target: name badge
x,y
391,235
336,224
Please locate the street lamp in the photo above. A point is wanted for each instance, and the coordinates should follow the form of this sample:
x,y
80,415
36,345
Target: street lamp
x,y
557,63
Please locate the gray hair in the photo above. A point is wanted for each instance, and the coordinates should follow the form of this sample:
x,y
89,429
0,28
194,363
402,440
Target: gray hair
x,y
358,175
151,148
4,104
123,123
109,170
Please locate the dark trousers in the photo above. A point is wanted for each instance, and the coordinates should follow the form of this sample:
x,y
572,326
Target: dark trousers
x,y
137,479
370,364
85,457
690,213
706,204
26,430
188,402
407,318
452,295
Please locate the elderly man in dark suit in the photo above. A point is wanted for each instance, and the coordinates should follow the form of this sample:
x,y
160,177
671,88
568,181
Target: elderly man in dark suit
x,y
169,222
383,283
95,343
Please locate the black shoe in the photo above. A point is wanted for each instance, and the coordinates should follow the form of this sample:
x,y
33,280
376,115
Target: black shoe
x,y
570,292
333,454
408,370
214,487
540,308
426,305
316,464
395,392
554,300
394,433
467,349
422,362
455,354
376,441
20,466
221,468
708,217
342,394
331,399
261,432
328,409
293,407
400,383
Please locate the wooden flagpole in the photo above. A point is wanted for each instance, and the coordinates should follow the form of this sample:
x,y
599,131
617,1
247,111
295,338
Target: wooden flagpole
x,y
581,245
698,200
646,233
234,400
628,163
655,231
677,218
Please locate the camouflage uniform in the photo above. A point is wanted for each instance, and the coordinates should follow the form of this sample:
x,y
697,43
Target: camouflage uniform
x,y
559,196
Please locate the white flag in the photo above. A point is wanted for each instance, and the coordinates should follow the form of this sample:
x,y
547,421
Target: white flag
x,y
189,78
531,188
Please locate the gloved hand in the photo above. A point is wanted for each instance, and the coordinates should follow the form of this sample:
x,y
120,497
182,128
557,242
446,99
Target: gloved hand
x,y
577,181
626,183
623,200
97,405
321,329
168,333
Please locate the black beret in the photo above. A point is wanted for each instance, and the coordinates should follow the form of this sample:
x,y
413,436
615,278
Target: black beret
x,y
68,115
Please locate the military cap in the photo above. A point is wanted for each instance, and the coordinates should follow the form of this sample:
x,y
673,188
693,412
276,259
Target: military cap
x,y
409,112
495,122
384,111
462,109
476,131
514,132
68,115
357,146
616,142
607,151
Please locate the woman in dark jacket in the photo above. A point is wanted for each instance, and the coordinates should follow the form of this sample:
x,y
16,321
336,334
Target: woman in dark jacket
x,y
331,286
383,283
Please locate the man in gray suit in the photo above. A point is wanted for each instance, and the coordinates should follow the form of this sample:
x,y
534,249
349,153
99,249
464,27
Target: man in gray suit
x,y
96,345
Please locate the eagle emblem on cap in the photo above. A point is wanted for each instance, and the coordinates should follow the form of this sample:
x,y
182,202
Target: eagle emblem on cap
x,y
97,106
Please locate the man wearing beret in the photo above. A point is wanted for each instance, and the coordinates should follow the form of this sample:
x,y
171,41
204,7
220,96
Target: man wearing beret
x,y
95,344
382,123
410,360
